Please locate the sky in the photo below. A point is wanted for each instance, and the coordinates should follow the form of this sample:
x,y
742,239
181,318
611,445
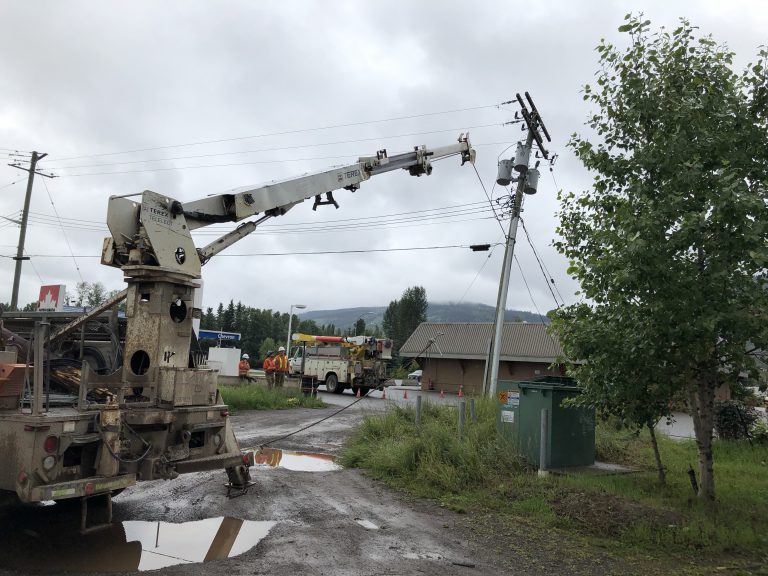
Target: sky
x,y
193,98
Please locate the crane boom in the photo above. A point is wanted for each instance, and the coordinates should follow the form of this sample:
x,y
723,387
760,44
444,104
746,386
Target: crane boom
x,y
156,231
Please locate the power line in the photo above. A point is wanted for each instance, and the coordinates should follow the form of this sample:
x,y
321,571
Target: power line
x,y
548,279
488,259
490,202
285,132
443,215
278,148
321,252
468,205
10,184
63,232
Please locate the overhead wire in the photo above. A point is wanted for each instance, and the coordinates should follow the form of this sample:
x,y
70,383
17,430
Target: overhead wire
x,y
285,132
548,279
63,232
485,263
276,149
315,253
444,215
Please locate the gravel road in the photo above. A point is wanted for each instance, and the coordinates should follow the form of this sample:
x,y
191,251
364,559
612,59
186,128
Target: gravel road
x,y
317,523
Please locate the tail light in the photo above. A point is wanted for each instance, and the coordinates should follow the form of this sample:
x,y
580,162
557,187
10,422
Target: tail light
x,y
89,488
224,413
22,479
51,444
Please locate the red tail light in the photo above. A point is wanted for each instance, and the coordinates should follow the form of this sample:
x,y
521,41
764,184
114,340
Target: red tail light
x,y
22,479
89,489
51,444
224,413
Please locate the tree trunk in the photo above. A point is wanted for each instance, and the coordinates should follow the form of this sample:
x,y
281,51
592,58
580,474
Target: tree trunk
x,y
657,454
701,398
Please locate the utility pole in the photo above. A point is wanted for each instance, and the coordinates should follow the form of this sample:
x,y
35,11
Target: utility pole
x,y
527,182
24,216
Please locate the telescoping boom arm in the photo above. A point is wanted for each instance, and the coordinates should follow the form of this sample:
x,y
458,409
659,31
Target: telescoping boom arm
x,y
157,230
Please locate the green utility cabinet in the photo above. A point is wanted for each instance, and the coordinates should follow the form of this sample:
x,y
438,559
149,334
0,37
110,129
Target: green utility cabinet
x,y
571,428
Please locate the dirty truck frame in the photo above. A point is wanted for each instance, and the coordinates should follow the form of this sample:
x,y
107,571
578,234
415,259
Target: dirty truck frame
x,y
159,414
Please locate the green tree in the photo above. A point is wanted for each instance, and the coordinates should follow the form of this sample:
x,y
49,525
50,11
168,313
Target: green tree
x,y
267,345
359,327
403,316
675,228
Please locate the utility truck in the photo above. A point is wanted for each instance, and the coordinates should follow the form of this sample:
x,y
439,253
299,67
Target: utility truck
x,y
159,413
341,362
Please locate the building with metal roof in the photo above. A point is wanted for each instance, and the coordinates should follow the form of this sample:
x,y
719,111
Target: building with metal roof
x,y
453,355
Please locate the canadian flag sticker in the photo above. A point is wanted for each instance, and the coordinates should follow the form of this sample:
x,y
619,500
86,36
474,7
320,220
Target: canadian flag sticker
x,y
51,298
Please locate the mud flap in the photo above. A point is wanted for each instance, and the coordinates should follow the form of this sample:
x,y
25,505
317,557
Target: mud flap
x,y
104,522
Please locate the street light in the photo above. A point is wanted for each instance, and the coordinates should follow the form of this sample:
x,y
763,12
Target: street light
x,y
290,319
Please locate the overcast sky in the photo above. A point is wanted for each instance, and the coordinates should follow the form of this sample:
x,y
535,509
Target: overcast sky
x,y
84,80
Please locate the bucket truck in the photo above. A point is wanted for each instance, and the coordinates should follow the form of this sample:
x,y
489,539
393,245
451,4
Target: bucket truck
x,y
160,414
341,362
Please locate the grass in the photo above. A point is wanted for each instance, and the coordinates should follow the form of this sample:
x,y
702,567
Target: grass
x,y
630,512
261,398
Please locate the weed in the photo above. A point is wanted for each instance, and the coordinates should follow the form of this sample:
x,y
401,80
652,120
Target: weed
x,y
260,398
481,471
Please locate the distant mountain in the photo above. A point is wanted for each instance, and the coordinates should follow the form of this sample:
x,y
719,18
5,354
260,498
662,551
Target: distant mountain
x,y
437,312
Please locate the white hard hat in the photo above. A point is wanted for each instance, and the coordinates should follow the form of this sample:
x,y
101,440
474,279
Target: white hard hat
x,y
245,356
281,349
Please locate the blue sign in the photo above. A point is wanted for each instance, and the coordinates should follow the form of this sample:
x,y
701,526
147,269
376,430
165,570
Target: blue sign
x,y
219,335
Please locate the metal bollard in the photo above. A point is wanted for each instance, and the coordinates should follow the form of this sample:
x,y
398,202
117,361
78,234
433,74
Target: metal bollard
x,y
418,410
544,443
461,418
472,414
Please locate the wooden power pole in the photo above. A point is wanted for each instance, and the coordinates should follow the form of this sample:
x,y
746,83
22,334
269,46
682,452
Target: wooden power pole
x,y
24,216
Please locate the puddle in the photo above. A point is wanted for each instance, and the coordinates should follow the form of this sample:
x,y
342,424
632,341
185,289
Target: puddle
x,y
40,545
366,524
297,461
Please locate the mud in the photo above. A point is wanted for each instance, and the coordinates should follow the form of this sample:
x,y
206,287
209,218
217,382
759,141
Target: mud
x,y
333,522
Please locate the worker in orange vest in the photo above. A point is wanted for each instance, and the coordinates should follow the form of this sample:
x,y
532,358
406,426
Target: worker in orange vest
x,y
281,366
269,369
243,367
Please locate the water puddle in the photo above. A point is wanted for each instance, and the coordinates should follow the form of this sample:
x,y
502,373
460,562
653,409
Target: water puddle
x,y
55,546
366,524
297,461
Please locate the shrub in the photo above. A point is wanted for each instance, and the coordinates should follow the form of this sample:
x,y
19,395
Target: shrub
x,y
734,420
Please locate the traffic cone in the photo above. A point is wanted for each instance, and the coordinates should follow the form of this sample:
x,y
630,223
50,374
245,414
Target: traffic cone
x,y
442,394
461,391
405,394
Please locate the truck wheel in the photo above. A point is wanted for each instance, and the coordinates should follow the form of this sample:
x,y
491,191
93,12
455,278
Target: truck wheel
x,y
332,384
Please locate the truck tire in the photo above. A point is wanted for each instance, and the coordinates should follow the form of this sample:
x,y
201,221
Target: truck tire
x,y
332,384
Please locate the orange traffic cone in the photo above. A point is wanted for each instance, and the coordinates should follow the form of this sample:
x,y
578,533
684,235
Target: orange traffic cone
x,y
461,391
405,394
442,394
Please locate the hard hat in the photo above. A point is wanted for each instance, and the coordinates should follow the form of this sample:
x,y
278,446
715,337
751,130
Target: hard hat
x,y
281,349
245,356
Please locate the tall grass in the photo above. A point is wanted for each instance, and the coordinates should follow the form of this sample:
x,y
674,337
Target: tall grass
x,y
261,398
482,471
431,460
